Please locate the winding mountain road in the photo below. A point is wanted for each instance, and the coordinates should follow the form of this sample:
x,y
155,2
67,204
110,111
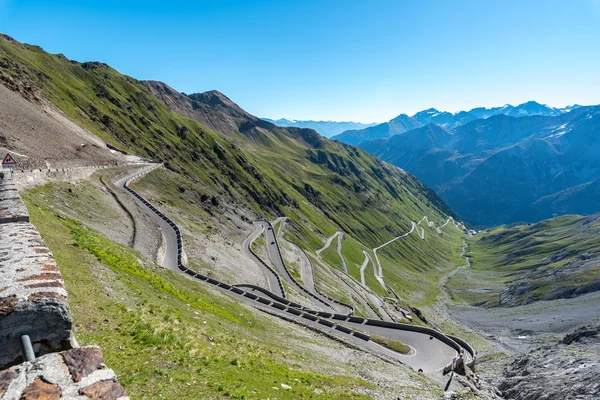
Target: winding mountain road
x,y
415,226
170,250
340,237
274,282
431,350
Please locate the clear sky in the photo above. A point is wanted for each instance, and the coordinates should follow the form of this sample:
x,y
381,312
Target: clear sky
x,y
335,60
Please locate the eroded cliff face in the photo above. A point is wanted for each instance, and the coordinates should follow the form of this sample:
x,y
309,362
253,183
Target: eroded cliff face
x,y
568,369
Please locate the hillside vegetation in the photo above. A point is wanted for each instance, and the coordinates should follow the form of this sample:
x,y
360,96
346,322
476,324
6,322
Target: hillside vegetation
x,y
248,162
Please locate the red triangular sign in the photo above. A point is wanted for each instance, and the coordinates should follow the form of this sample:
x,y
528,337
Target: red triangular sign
x,y
9,160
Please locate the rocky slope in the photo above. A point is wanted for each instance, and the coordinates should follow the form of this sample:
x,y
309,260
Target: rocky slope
x,y
566,370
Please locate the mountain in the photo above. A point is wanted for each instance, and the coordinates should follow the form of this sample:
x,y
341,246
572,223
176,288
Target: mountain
x,y
221,151
505,169
448,121
400,124
325,128
532,108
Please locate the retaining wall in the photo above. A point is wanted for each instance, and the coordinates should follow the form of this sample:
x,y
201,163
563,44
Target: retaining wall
x,y
33,302
28,177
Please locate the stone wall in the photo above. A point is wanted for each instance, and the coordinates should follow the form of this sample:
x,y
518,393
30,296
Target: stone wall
x,y
33,302
72,374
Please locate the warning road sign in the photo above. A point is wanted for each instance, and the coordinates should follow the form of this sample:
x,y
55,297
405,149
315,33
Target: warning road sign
x,y
9,162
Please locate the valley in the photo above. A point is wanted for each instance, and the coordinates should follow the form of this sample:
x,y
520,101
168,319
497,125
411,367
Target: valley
x,y
213,254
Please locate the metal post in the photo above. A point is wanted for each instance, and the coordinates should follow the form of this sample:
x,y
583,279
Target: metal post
x,y
27,348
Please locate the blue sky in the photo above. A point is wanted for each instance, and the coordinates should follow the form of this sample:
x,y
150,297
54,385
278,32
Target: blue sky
x,y
334,60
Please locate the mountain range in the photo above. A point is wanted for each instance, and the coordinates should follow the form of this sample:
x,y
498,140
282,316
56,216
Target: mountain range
x,y
506,169
325,128
403,123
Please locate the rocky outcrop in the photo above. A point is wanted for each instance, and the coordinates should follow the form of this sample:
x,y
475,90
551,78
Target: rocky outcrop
x,y
463,372
567,370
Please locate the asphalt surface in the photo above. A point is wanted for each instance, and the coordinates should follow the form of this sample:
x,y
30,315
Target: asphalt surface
x,y
272,278
169,260
428,353
319,301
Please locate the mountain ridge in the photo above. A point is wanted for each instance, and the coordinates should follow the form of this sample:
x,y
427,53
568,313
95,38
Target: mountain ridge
x,y
448,120
325,128
497,170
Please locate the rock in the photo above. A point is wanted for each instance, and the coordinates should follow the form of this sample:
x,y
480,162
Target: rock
x,y
103,390
83,361
286,387
6,377
579,334
70,374
41,390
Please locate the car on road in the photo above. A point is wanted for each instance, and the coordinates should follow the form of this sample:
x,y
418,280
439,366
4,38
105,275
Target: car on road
x,y
273,242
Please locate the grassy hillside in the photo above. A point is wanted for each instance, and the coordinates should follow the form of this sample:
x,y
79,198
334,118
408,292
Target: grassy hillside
x,y
555,258
169,337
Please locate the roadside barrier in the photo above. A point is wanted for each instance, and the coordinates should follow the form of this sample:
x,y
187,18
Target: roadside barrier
x,y
464,345
362,336
313,276
269,293
293,308
416,328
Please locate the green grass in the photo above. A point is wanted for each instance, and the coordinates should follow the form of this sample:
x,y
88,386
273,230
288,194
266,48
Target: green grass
x,y
391,344
167,336
413,267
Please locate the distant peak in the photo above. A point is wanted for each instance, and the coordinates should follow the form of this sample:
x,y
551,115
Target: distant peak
x,y
401,116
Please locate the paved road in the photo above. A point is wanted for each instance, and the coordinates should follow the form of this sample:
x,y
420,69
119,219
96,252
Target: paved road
x,y
328,242
364,265
339,251
430,354
272,278
316,299
169,260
